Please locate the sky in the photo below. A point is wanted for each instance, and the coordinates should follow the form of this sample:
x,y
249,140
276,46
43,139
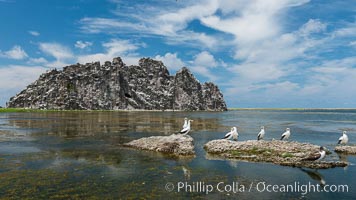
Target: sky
x,y
261,53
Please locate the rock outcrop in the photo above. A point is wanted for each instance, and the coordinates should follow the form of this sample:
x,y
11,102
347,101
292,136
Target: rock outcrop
x,y
114,86
175,144
275,151
345,149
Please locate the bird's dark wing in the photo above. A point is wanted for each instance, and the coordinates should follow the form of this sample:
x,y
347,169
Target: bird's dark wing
x,y
312,157
227,135
283,137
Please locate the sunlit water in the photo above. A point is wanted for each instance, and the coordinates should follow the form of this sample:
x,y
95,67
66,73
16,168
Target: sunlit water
x,y
79,154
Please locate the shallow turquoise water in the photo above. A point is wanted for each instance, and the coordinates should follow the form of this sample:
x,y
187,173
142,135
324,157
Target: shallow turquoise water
x,y
79,154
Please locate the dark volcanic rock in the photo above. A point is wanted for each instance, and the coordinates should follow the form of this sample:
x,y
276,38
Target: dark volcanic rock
x,y
114,86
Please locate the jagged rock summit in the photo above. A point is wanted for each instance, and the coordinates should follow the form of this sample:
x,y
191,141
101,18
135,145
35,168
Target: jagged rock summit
x,y
114,86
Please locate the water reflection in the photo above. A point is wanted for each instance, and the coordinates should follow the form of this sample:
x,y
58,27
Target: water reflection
x,y
315,175
186,172
86,124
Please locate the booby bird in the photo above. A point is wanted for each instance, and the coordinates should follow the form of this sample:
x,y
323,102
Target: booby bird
x,y
232,134
186,130
261,134
343,139
286,134
316,156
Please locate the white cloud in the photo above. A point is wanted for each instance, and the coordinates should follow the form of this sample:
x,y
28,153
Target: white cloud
x,y
113,48
204,71
7,1
348,31
353,43
17,77
34,33
171,61
56,50
204,63
63,55
332,79
171,22
16,53
82,44
312,26
205,59
40,60
97,25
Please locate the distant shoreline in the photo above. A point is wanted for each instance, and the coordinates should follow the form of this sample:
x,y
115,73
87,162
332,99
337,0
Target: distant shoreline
x,y
13,110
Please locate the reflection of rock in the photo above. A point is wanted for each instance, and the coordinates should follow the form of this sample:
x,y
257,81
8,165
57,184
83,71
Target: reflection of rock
x,y
115,124
346,149
116,86
6,135
186,173
173,144
276,151
315,175
92,155
343,158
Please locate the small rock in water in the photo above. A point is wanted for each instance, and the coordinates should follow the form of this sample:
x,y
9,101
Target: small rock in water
x,y
176,144
345,149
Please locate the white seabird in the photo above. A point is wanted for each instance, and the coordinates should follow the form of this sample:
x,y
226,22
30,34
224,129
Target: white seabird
x,y
186,130
232,134
316,156
185,123
261,134
286,134
343,139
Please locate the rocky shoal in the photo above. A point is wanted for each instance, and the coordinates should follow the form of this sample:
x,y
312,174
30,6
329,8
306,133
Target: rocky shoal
x,y
278,152
175,144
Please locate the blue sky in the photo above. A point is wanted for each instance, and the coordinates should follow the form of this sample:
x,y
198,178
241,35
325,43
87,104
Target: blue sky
x,y
261,53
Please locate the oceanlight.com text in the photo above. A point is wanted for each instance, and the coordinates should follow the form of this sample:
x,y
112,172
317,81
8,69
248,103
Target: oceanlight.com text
x,y
236,187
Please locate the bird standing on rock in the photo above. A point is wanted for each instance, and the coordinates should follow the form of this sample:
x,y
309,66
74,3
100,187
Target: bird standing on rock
x,y
286,134
316,156
186,130
343,139
232,134
261,134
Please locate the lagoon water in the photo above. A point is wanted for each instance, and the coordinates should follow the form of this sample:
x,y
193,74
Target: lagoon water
x,y
78,155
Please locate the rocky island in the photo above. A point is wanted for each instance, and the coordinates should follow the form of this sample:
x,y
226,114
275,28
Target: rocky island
x,y
346,149
116,86
275,151
175,144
